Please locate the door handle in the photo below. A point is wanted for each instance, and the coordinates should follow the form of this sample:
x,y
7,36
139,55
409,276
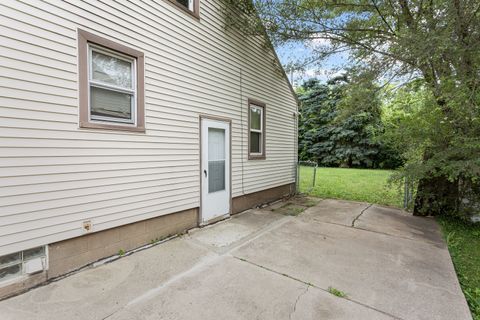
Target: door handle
x,y
205,171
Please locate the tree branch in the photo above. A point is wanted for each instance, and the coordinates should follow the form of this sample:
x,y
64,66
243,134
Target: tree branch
x,y
383,18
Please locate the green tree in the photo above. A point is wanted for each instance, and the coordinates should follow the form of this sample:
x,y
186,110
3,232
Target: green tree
x,y
332,133
406,125
435,42
317,111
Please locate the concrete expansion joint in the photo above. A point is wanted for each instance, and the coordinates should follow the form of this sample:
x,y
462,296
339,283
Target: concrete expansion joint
x,y
212,258
308,284
379,232
362,212
199,267
271,270
399,237
227,250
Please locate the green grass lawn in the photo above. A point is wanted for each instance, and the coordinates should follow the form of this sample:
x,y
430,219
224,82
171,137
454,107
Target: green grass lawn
x,y
351,184
463,240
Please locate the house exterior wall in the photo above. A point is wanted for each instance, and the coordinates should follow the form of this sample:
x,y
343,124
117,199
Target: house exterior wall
x,y
54,175
75,253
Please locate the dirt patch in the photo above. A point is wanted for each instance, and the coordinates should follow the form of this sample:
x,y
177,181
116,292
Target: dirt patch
x,y
295,205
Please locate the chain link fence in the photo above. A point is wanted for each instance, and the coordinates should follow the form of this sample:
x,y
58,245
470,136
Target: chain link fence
x,y
307,176
408,194
307,179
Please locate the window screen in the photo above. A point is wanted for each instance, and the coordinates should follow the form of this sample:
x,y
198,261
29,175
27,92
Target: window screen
x,y
112,86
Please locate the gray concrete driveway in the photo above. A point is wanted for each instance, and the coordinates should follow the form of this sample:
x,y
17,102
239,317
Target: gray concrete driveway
x,y
265,265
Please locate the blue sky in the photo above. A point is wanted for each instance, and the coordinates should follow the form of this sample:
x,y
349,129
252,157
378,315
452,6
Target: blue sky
x,y
322,70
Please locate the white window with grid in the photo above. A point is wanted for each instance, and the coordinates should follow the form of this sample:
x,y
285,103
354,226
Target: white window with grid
x,y
256,130
112,86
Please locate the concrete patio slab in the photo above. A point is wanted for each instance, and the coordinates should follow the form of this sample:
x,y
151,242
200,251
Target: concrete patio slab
x,y
399,223
98,292
234,289
263,265
222,236
409,279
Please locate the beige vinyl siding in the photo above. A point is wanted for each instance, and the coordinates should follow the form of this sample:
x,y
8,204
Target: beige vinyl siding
x,y
54,176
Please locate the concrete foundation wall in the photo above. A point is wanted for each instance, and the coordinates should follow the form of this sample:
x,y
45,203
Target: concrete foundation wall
x,y
72,254
68,255
23,285
251,200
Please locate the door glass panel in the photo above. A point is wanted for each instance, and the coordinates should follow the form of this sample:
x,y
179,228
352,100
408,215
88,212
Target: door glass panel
x,y
216,160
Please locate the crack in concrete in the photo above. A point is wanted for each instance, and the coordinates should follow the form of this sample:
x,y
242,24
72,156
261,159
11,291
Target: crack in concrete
x,y
111,314
317,287
433,243
297,300
362,212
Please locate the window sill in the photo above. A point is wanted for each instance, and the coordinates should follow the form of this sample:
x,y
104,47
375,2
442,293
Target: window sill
x,y
102,126
14,280
256,157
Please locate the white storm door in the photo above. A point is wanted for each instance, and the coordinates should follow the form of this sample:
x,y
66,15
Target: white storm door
x,y
215,169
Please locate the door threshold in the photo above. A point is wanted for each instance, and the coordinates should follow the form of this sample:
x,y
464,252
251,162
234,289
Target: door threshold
x,y
215,220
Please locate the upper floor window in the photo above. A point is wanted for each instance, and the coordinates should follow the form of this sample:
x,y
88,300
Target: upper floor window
x,y
256,125
190,6
187,4
111,84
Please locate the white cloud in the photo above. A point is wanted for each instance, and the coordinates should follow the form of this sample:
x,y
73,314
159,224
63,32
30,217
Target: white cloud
x,y
322,74
319,42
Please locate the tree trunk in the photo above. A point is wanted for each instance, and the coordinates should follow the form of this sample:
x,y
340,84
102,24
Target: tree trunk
x,y
436,196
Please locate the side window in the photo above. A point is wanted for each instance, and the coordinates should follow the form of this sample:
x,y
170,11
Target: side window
x,y
256,126
190,6
187,4
111,85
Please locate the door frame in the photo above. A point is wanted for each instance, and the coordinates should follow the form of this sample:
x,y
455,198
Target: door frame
x,y
229,122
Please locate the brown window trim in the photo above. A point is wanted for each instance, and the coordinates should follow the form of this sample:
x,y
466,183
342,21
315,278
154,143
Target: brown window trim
x,y
196,8
261,156
84,38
